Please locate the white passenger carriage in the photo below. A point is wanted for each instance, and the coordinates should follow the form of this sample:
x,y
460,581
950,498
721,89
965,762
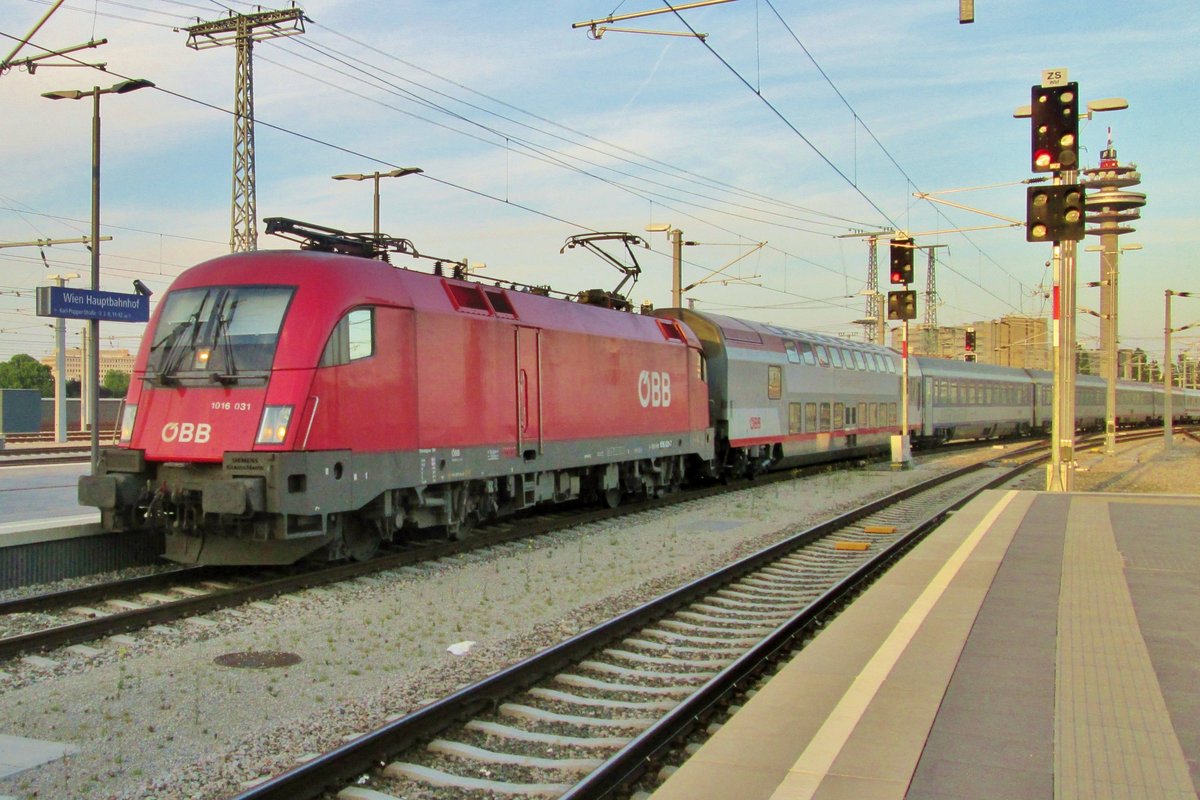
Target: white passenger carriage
x,y
974,401
782,397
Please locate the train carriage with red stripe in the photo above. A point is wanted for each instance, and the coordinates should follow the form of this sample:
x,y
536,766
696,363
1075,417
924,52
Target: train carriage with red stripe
x,y
781,397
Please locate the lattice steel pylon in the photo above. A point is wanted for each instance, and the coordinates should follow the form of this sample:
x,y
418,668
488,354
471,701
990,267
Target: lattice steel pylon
x,y
874,298
931,331
242,30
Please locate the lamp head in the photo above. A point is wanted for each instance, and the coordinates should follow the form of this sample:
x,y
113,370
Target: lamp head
x,y
131,86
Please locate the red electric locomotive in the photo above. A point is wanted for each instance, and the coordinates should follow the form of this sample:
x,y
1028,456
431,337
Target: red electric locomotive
x,y
285,404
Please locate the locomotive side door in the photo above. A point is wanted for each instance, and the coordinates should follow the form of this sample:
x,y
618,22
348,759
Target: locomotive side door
x,y
529,392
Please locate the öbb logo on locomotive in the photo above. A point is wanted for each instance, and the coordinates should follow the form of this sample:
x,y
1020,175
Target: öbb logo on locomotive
x,y
196,433
654,389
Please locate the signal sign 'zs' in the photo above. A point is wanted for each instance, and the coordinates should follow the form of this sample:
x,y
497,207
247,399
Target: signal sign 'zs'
x,y
186,432
654,389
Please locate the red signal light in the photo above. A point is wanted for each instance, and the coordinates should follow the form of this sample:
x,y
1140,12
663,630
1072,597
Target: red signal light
x,y
1042,160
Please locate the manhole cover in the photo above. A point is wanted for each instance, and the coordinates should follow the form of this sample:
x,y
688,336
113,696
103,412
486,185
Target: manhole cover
x,y
257,659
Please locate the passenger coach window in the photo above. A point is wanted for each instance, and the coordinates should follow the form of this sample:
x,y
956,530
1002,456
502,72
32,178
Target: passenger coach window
x,y
353,338
793,356
795,418
774,382
849,359
822,355
835,356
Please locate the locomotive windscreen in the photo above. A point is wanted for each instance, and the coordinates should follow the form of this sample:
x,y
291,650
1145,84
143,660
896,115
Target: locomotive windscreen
x,y
223,333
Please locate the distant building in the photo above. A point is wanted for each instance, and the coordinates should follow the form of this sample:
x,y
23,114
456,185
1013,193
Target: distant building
x,y
1011,341
118,360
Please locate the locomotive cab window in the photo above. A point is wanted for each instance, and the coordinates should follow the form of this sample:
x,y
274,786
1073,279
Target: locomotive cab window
x,y
353,338
222,333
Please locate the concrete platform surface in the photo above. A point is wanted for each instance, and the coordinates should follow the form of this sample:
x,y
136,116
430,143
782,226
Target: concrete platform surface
x,y
1036,646
18,754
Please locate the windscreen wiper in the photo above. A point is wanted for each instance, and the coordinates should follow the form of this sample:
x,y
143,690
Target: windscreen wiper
x,y
175,350
230,376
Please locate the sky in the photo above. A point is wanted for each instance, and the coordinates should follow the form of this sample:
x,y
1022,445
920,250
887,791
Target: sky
x,y
794,124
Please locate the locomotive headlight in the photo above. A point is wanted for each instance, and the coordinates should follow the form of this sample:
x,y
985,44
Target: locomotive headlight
x,y
274,426
127,417
202,356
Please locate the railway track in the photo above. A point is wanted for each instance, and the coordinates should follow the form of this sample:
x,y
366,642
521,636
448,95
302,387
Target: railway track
x,y
42,623
42,456
45,622
588,716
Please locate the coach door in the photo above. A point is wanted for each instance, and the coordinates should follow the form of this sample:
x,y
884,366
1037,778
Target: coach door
x,y
529,392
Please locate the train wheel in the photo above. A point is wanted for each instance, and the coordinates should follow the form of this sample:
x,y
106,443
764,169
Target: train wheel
x,y
360,539
611,498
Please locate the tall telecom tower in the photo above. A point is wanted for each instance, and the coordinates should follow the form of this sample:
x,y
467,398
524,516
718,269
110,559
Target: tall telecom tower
x,y
1112,208
242,30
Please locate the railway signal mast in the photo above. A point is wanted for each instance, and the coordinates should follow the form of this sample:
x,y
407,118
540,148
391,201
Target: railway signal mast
x,y
1055,214
902,305
242,30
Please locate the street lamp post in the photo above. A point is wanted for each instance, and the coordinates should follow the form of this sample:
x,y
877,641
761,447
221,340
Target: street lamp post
x,y
60,365
1168,378
375,176
93,378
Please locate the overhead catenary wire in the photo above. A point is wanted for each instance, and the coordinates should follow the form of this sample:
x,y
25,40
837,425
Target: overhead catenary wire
x,y
650,196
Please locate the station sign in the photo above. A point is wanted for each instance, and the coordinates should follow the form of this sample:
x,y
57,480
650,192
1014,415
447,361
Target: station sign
x,y
61,301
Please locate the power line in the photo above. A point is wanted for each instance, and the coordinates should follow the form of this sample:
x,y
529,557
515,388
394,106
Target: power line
x,y
534,149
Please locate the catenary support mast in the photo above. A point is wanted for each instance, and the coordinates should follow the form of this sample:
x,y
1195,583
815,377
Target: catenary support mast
x,y
242,30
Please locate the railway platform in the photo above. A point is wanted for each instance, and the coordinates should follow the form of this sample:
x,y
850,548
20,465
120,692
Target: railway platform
x,y
1036,646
